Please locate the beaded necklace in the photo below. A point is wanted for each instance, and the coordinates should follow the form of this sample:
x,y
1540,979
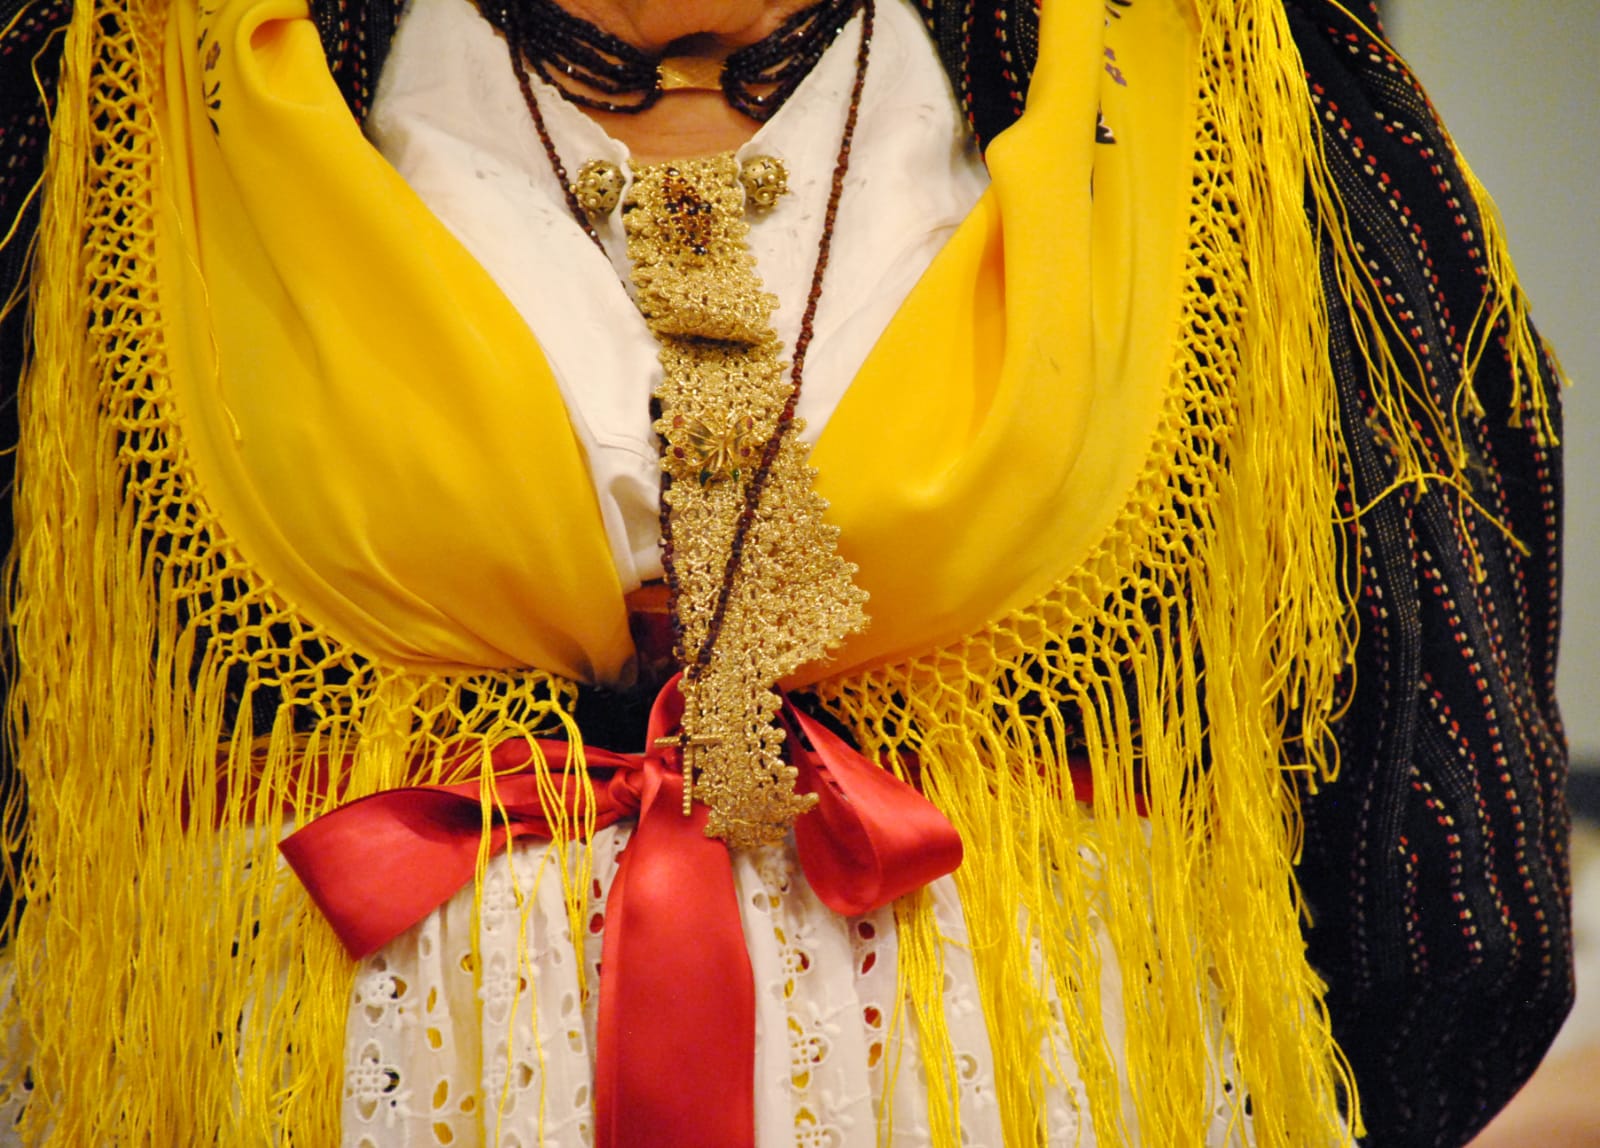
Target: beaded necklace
x,y
591,67
735,477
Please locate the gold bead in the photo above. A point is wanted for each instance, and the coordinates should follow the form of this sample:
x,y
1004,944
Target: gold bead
x,y
599,187
765,179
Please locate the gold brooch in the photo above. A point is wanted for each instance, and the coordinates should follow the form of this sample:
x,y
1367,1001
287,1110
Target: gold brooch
x,y
713,451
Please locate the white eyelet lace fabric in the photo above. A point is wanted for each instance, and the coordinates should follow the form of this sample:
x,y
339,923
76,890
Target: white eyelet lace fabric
x,y
445,1049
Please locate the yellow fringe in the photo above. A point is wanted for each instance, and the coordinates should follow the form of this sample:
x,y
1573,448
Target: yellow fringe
x,y
172,984
921,964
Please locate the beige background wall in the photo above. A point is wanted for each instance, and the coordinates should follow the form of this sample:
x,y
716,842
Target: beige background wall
x,y
1518,84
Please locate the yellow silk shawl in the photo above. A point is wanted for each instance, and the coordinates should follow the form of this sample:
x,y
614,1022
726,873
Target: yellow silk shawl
x,y
288,453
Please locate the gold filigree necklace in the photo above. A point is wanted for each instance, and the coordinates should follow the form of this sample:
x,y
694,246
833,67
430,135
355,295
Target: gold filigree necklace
x,y
757,587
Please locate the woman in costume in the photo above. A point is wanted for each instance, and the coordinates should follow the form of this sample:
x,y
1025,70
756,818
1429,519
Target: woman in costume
x,y
1071,542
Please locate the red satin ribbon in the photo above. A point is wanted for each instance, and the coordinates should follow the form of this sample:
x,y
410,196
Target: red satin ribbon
x,y
677,997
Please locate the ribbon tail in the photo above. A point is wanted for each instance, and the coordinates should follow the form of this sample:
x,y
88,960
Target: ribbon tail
x,y
871,837
675,1063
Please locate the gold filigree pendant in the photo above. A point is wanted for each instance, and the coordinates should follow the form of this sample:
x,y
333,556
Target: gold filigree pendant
x,y
786,598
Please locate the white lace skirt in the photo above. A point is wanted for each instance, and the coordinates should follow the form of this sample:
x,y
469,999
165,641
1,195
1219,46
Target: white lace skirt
x,y
438,1055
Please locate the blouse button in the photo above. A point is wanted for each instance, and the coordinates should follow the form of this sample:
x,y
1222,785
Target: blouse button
x,y
599,187
765,180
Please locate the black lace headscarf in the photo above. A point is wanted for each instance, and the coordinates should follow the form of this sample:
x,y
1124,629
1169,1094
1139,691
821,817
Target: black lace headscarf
x,y
1435,869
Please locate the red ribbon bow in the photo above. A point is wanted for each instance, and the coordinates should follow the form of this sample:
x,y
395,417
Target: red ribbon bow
x,y
677,983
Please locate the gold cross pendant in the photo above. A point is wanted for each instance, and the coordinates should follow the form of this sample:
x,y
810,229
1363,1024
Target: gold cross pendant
x,y
690,742
703,741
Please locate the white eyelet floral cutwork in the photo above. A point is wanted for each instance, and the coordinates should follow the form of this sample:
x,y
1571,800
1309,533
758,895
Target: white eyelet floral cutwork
x,y
445,1050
